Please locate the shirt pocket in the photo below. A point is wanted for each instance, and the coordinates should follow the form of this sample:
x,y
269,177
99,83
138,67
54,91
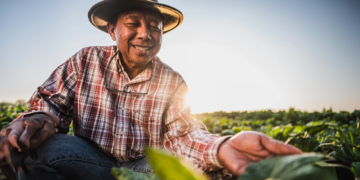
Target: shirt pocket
x,y
146,132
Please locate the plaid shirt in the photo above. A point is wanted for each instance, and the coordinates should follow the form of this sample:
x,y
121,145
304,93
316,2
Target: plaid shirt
x,y
124,124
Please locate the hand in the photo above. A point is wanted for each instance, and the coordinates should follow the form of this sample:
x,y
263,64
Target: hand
x,y
24,134
246,147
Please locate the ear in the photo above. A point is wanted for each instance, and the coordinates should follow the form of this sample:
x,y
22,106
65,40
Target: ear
x,y
111,30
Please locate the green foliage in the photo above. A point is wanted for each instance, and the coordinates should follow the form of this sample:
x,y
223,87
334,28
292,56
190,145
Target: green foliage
x,y
282,117
227,132
347,149
355,169
294,167
10,111
168,167
71,129
329,132
126,174
281,133
305,144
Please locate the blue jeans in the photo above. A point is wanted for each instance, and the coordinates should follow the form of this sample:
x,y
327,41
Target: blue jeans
x,y
69,157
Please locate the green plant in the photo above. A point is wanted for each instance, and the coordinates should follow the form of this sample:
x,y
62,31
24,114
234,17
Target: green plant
x,y
168,167
355,169
10,111
347,149
127,174
227,132
305,144
281,133
294,167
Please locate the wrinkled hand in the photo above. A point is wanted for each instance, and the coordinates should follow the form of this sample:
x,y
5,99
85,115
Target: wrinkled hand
x,y
246,147
24,134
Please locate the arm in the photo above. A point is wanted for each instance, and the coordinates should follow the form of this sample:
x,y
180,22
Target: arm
x,y
49,107
188,138
249,146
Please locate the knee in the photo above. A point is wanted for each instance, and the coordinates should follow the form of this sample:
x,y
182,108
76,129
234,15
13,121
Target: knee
x,y
57,147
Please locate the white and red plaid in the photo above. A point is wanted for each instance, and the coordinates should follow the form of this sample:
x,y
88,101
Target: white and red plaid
x,y
124,124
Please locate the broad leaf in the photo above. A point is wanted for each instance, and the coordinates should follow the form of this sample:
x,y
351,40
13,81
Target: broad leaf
x,y
294,167
305,144
355,169
168,167
313,130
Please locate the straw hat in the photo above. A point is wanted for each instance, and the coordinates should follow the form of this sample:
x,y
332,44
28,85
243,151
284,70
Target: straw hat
x,y
103,11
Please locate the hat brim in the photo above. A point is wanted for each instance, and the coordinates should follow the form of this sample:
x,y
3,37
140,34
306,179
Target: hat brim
x,y
100,14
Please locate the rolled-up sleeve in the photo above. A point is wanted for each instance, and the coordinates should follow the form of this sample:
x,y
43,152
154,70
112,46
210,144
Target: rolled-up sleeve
x,y
56,94
189,139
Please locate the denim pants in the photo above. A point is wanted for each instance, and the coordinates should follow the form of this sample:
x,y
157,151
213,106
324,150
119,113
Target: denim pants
x,y
69,157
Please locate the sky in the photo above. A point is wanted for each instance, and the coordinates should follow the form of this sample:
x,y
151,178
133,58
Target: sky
x,y
233,54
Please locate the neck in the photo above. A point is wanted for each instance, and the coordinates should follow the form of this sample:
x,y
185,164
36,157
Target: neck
x,y
133,69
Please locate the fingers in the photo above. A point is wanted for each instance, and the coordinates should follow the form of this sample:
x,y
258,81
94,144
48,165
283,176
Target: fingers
x,y
5,160
8,171
14,133
5,152
257,156
41,135
22,133
277,147
31,126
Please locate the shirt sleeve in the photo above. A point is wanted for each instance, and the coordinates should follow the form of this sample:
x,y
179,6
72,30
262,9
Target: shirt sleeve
x,y
56,95
189,139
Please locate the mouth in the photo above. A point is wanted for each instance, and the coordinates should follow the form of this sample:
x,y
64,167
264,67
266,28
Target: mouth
x,y
142,48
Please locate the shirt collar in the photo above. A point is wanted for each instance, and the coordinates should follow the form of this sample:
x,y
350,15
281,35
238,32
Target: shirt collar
x,y
145,75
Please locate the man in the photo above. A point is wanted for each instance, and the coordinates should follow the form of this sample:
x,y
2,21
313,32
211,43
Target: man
x,y
122,99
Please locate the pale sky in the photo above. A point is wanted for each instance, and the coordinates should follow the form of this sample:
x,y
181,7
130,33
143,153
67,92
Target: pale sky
x,y
233,54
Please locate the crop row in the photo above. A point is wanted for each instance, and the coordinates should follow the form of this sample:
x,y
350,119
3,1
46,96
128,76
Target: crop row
x,y
334,136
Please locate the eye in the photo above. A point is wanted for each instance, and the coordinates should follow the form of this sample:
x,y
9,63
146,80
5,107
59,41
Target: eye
x,y
132,24
155,27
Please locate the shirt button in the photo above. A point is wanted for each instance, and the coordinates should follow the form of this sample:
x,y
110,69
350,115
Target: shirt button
x,y
122,133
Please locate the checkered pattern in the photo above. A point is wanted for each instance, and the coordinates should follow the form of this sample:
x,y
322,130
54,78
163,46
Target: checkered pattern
x,y
124,124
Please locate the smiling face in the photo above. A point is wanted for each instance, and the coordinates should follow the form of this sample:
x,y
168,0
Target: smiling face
x,y
138,36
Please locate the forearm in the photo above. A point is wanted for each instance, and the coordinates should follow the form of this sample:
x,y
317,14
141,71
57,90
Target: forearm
x,y
199,148
46,116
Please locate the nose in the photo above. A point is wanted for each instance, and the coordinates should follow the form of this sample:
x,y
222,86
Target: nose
x,y
144,32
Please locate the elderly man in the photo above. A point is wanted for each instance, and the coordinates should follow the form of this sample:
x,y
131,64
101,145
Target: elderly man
x,y
120,100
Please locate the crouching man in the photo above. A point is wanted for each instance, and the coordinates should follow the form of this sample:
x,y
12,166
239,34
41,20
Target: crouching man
x,y
120,100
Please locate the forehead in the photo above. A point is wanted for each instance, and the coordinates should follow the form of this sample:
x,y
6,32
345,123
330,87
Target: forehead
x,y
140,13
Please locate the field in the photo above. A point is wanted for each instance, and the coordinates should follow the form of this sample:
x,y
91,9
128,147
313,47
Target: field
x,y
335,136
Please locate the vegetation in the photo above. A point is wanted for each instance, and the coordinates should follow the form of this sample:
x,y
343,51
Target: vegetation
x,y
334,136
327,132
10,111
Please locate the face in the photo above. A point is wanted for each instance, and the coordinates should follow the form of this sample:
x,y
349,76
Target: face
x,y
138,36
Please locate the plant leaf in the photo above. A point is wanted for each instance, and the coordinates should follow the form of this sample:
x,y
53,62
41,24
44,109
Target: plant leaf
x,y
355,168
305,144
294,167
168,167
